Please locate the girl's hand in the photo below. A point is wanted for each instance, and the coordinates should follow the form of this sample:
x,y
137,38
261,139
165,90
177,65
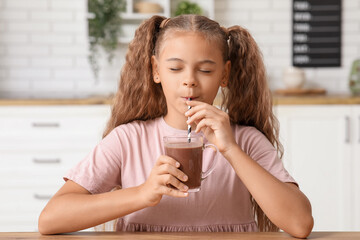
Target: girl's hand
x,y
214,123
164,180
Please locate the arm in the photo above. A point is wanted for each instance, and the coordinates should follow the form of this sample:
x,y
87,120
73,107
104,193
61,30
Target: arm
x,y
74,208
284,204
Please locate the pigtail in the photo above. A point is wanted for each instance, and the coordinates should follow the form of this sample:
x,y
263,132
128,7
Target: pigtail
x,y
247,80
248,99
138,96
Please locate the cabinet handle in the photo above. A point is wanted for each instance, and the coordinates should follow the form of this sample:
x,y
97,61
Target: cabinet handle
x,y
46,124
41,196
347,126
49,160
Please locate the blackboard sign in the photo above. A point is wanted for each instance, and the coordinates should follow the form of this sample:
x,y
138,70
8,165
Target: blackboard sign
x,y
316,33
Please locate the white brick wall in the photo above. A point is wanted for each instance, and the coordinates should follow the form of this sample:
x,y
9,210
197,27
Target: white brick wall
x,y
43,46
270,23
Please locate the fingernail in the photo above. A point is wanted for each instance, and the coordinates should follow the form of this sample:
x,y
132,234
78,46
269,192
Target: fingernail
x,y
188,121
185,188
185,193
185,178
177,164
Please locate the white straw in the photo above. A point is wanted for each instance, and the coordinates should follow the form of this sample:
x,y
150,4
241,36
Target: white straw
x,y
189,126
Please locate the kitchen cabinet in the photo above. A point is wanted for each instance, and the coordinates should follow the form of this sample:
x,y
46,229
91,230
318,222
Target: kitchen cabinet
x,y
322,150
356,164
38,145
131,18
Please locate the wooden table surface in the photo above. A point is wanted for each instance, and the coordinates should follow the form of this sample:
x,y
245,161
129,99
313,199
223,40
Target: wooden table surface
x,y
192,235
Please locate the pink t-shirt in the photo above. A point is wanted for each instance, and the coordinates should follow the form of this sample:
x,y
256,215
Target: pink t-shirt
x,y
126,156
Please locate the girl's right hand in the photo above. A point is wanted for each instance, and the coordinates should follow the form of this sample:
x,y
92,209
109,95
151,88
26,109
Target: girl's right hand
x,y
164,179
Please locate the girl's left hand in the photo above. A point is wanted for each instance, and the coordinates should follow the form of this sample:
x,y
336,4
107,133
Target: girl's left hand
x,y
214,123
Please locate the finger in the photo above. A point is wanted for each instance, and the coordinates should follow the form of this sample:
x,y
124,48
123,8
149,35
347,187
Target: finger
x,y
195,106
173,192
168,179
199,115
163,159
204,107
215,117
210,113
194,103
204,123
169,169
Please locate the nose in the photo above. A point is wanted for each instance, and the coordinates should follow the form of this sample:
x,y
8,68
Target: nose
x,y
190,80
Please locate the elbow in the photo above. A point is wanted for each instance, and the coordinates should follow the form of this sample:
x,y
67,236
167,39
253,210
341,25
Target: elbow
x,y
303,228
44,224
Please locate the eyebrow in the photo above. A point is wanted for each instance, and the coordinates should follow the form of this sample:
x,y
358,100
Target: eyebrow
x,y
180,60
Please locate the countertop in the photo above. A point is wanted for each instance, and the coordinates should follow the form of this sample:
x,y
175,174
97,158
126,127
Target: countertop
x,y
60,101
315,99
277,100
179,235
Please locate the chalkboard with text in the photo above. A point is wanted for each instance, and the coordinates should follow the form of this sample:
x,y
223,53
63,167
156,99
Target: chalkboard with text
x,y
316,33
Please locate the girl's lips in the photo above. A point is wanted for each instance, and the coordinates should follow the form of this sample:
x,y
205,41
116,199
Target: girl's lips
x,y
187,98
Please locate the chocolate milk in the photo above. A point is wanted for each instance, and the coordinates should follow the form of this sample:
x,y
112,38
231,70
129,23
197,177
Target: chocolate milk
x,y
189,155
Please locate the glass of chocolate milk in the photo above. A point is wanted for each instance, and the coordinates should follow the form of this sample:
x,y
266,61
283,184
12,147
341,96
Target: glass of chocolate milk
x,y
190,157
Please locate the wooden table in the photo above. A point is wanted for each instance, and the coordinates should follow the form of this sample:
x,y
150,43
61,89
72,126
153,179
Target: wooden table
x,y
163,236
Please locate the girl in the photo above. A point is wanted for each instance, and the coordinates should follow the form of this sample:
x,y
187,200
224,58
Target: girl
x,y
169,61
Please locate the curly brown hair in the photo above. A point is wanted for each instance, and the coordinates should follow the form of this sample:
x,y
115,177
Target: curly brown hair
x,y
247,98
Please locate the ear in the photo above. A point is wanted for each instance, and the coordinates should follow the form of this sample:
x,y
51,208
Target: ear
x,y
225,78
155,64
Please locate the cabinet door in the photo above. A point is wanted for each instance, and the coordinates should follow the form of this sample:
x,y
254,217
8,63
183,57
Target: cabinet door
x,y
317,153
38,145
20,207
356,166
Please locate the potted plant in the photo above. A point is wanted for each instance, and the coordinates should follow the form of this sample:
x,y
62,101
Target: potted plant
x,y
104,29
186,7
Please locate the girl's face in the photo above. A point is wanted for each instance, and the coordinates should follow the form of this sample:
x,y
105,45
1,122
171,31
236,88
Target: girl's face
x,y
188,66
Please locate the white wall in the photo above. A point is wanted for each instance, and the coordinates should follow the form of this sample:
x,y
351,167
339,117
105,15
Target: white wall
x,y
270,23
43,51
43,46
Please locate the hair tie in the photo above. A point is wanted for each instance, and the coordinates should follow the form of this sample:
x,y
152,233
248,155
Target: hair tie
x,y
164,22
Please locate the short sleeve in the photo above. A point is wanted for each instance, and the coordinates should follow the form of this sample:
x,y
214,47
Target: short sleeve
x,y
259,148
100,170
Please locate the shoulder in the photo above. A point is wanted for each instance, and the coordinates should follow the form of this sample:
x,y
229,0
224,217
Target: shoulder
x,y
136,127
128,134
251,140
247,132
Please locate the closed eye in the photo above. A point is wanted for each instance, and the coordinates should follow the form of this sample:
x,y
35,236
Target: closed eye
x,y
175,69
205,71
